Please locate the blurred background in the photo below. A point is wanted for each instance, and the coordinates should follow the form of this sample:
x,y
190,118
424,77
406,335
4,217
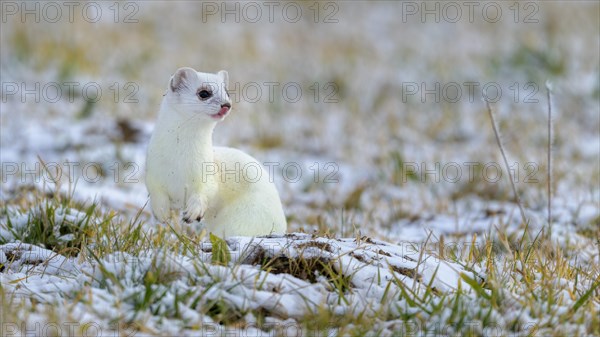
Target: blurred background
x,y
372,111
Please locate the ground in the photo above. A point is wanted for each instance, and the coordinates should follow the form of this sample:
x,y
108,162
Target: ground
x,y
371,117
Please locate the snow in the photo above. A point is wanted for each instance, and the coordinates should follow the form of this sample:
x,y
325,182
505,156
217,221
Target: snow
x,y
374,270
390,234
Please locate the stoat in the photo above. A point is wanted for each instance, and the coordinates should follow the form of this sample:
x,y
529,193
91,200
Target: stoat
x,y
226,189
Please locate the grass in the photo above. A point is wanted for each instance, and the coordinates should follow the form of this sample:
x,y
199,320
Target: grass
x,y
52,220
530,284
134,277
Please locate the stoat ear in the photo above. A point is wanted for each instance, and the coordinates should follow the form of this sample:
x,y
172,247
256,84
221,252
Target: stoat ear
x,y
225,76
182,79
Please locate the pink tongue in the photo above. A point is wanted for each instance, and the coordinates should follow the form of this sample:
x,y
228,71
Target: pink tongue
x,y
223,110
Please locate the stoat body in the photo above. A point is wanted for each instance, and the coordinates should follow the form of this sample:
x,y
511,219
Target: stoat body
x,y
226,189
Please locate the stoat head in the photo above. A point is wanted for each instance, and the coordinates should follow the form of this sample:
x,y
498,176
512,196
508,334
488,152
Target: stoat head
x,y
195,93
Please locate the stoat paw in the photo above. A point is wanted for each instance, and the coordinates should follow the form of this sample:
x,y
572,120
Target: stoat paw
x,y
161,216
189,219
160,210
194,210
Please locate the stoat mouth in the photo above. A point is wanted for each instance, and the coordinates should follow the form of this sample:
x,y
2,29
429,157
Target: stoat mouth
x,y
223,111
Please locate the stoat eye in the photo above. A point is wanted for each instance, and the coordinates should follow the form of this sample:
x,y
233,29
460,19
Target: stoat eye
x,y
204,94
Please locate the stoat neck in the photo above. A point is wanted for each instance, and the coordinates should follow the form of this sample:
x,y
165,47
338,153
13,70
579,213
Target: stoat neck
x,y
189,137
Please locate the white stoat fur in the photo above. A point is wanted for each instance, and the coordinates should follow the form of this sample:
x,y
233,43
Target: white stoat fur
x,y
227,189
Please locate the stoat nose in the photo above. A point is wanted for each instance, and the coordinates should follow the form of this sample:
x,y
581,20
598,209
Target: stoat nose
x,y
225,107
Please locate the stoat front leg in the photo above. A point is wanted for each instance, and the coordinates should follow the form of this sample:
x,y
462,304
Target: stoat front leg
x,y
159,203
